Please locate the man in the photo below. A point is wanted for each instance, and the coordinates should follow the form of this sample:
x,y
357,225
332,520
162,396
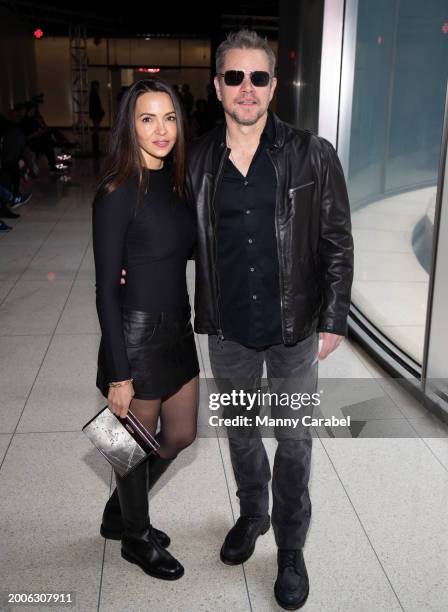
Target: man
x,y
12,151
274,268
187,99
96,114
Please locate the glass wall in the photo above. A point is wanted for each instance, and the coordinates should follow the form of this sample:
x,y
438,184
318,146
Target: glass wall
x,y
397,109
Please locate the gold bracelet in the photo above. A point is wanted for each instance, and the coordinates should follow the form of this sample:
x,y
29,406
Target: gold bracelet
x,y
121,383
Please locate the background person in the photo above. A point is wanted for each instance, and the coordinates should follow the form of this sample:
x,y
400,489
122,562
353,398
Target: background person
x,y
96,114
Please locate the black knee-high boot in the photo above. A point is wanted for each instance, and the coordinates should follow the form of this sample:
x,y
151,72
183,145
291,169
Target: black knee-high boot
x,y
138,544
112,523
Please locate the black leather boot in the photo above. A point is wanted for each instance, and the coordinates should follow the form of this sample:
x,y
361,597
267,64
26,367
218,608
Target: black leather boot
x,y
138,544
240,541
292,586
112,523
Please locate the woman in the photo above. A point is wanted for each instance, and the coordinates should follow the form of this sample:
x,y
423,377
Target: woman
x,y
147,361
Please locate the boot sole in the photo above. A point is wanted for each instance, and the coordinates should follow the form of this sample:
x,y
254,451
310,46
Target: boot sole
x,y
297,607
250,552
147,571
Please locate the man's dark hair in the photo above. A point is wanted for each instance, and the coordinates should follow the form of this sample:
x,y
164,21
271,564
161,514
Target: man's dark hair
x,y
244,39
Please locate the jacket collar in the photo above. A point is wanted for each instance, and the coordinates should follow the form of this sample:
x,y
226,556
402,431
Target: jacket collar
x,y
279,131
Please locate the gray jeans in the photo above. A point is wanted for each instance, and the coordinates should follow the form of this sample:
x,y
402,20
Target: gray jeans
x,y
289,369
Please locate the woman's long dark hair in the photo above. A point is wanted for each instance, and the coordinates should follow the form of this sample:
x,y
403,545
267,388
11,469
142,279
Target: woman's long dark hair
x,y
124,159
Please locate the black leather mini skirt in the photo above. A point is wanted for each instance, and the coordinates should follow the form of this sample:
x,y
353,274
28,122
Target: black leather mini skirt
x,y
161,352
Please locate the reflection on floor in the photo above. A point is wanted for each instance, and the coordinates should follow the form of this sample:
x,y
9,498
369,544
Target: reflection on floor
x,y
391,286
379,537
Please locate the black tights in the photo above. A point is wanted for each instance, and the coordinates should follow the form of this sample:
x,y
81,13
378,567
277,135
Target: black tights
x,y
178,418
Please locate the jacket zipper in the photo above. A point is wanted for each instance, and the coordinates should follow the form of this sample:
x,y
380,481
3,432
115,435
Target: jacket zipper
x,y
218,296
294,190
280,275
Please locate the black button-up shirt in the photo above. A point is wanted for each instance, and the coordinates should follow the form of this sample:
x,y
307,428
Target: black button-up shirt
x,y
247,250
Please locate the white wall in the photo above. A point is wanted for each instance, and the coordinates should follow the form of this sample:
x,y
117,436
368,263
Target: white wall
x,y
53,78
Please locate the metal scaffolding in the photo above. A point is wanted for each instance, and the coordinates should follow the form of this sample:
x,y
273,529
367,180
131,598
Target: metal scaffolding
x,y
80,87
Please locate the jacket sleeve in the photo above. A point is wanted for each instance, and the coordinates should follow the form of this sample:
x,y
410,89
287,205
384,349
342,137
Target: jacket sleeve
x,y
111,217
335,249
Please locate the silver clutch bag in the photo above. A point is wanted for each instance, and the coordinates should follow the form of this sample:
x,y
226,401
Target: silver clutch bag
x,y
125,443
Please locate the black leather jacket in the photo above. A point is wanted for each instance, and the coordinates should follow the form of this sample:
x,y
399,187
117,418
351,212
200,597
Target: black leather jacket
x,y
314,241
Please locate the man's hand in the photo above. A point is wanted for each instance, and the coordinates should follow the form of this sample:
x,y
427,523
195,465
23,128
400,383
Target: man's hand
x,y
329,343
122,279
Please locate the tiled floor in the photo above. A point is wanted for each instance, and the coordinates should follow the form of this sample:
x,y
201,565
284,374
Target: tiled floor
x,y
378,541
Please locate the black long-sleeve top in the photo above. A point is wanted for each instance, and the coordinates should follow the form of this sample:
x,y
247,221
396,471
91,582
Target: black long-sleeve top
x,y
152,240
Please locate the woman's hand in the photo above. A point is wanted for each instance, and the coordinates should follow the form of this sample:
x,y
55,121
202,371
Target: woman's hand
x,y
119,399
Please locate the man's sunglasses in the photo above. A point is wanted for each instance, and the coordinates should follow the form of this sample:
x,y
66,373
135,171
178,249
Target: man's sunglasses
x,y
233,78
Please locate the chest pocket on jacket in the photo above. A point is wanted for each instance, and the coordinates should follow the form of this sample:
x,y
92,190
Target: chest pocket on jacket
x,y
299,204
294,190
